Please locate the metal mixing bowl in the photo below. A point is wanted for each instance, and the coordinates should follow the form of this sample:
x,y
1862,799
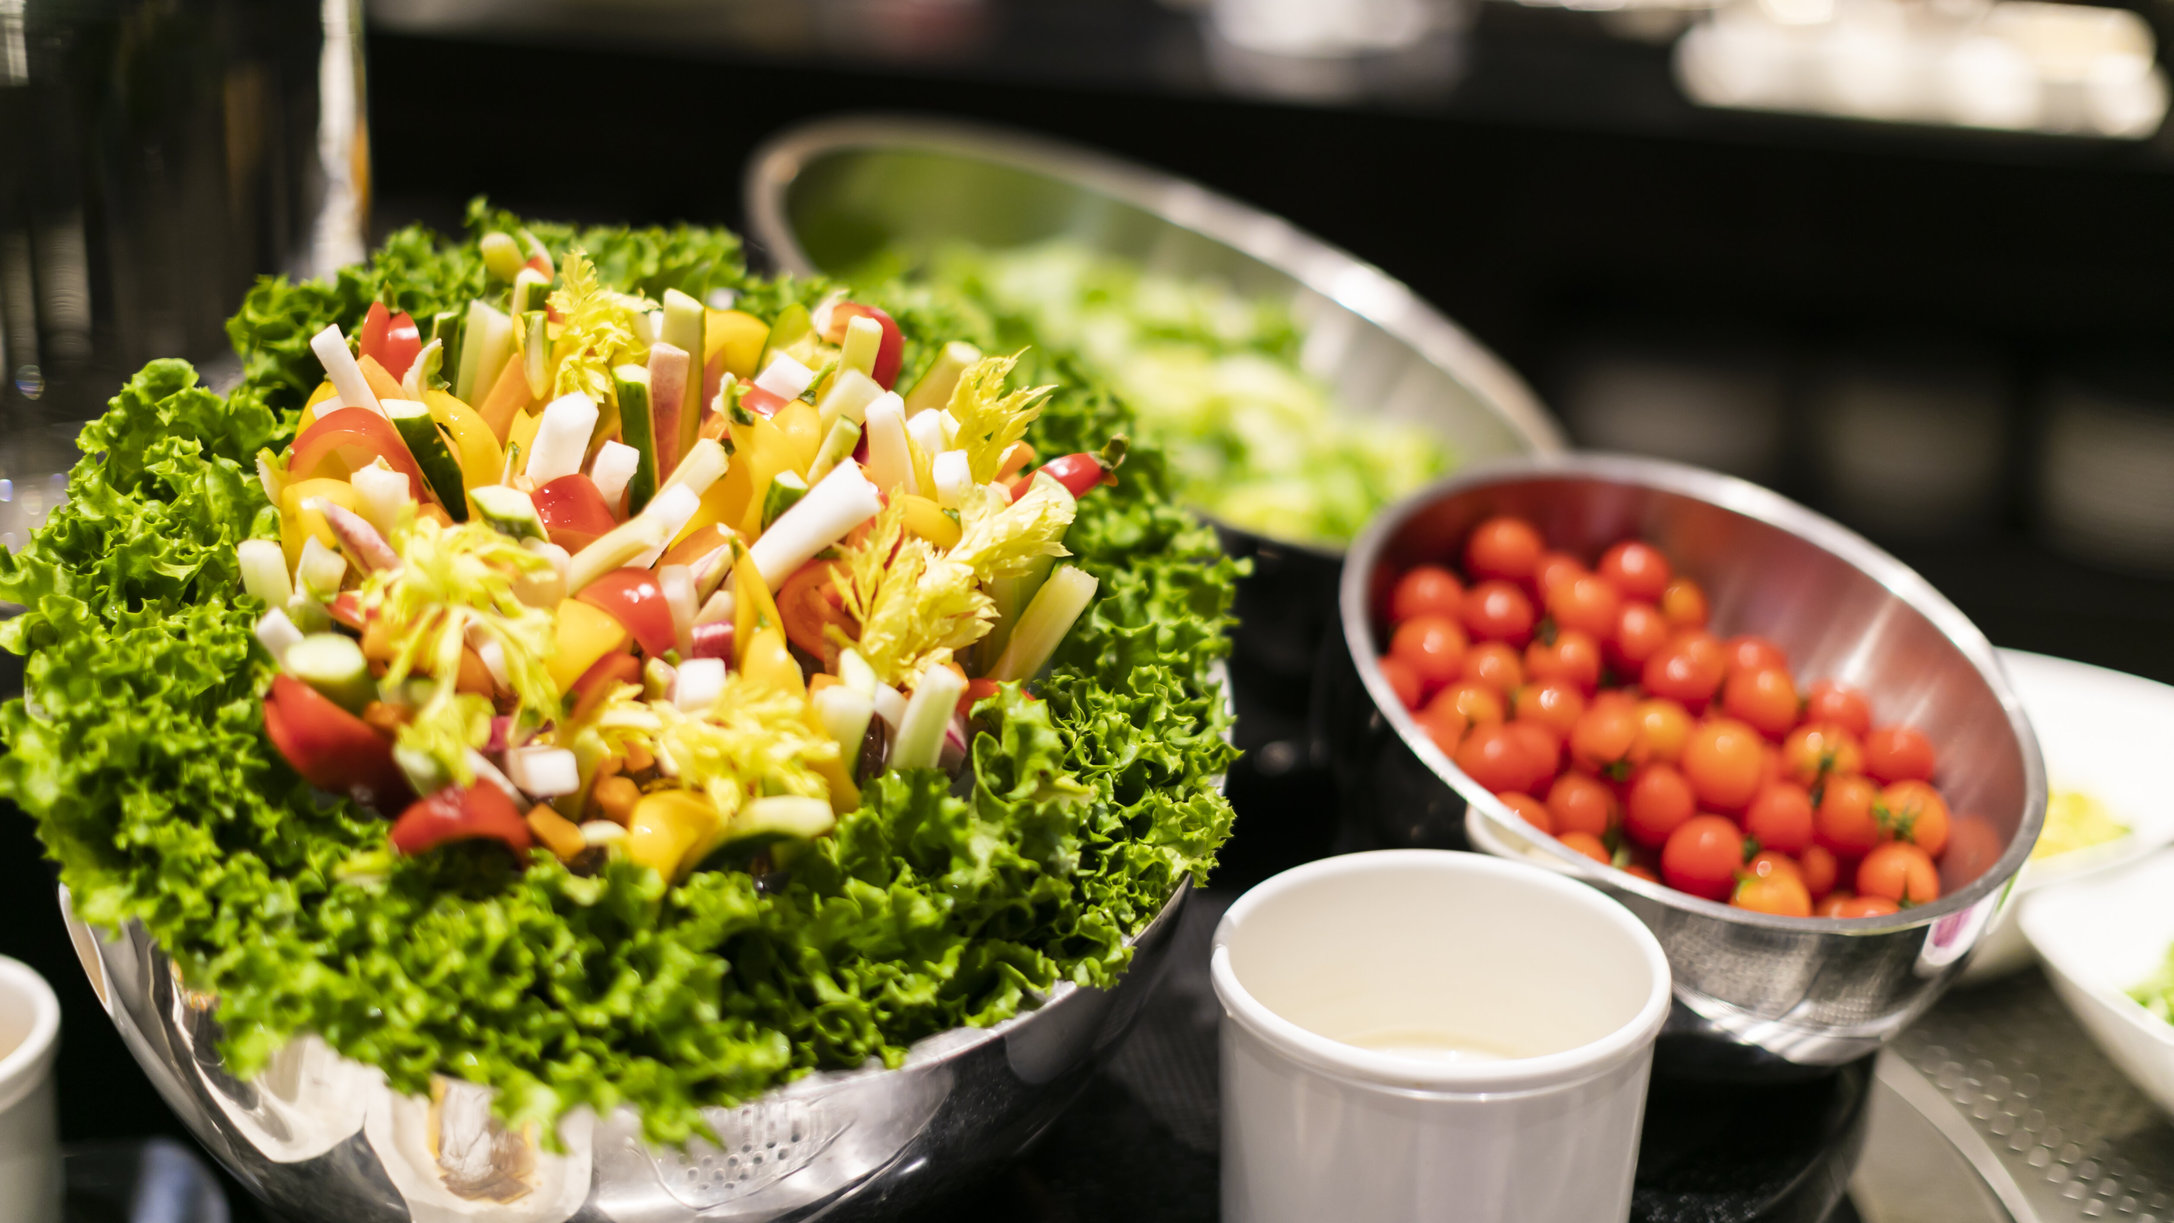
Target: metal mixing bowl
x,y
830,195
1755,994
324,1139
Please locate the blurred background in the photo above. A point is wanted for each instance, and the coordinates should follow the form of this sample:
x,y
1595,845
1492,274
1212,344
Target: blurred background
x,y
1909,261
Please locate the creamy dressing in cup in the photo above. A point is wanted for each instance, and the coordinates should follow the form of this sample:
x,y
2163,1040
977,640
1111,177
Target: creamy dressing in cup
x,y
1425,1034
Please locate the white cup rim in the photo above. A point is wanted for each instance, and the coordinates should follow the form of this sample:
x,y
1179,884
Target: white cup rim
x,y
24,1065
1391,1070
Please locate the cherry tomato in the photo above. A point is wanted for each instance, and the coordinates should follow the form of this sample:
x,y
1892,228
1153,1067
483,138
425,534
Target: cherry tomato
x,y
1402,680
1495,610
1844,822
1702,856
1748,653
1582,804
1427,590
1819,749
1898,753
1683,604
1663,726
1503,547
1494,665
1573,657
1913,811
1722,760
1865,906
1770,861
1640,633
1477,705
1444,724
1586,603
1604,740
1531,810
1836,702
1643,871
1552,702
1819,868
1657,801
1589,845
1433,646
1973,846
1780,893
1780,817
1899,871
1543,751
1496,759
1765,698
1832,903
1636,568
1688,669
1554,569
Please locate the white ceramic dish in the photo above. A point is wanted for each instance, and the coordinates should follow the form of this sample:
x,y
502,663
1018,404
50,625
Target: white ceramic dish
x,y
30,1172
2101,938
2099,732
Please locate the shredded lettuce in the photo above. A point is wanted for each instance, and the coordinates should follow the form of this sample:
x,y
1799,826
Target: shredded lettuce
x,y
139,751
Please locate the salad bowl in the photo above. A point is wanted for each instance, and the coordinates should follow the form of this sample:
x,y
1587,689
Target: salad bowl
x,y
830,195
320,1137
1756,995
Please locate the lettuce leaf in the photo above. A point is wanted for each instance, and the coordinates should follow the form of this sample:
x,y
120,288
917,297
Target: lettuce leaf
x,y
139,750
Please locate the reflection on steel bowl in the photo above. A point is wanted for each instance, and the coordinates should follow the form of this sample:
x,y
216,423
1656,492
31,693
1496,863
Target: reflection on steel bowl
x,y
1756,994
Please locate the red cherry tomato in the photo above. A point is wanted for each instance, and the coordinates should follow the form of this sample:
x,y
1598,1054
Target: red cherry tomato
x,y
635,599
1543,751
1427,590
810,604
1582,804
1589,845
1663,727
1819,868
1913,811
1901,872
1657,801
890,351
1683,603
573,511
1723,762
1495,610
1840,704
1641,870
1554,569
1477,704
1780,817
1844,822
478,811
1573,657
1817,750
1640,633
1604,740
1551,702
1688,669
1748,653
1531,810
1703,856
1402,680
1974,845
1635,568
1898,753
1765,698
1780,893
1863,906
1434,648
1495,665
1503,547
1585,603
1445,725
1497,759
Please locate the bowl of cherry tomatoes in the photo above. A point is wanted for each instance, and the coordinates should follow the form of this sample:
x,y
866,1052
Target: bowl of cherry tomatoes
x,y
1779,746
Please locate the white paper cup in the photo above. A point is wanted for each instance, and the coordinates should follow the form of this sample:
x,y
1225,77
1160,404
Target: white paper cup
x,y
30,1178
1425,958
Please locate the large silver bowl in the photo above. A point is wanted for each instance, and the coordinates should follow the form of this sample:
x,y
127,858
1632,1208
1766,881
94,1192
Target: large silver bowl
x,y
324,1140
1755,994
826,196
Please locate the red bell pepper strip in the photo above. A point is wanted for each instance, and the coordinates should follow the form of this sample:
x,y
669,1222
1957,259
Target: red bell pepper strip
x,y
1078,472
356,436
331,748
375,323
478,811
890,352
635,598
573,511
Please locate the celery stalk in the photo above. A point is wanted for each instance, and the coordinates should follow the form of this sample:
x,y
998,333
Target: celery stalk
x,y
1043,625
684,323
920,742
935,387
1011,595
863,337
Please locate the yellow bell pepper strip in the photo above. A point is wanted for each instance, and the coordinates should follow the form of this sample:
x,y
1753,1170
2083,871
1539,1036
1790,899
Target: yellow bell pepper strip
x,y
739,337
753,608
585,634
324,394
927,519
668,826
770,664
475,447
297,524
522,433
800,428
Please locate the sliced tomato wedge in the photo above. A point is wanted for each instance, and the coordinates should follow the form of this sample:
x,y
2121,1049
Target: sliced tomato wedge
x,y
356,437
346,607
761,402
809,602
573,511
331,748
375,323
403,341
617,667
889,353
635,599
478,811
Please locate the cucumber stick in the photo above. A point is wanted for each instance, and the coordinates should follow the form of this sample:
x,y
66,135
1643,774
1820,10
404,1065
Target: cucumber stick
x,y
445,329
786,490
535,352
486,345
630,383
530,287
332,664
684,325
508,511
432,453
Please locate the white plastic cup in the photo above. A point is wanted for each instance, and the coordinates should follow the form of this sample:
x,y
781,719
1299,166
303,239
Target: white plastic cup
x,y
1423,1034
30,1175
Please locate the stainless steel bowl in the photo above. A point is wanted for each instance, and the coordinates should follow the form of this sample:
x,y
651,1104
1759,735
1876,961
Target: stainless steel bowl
x,y
324,1139
827,196
1755,994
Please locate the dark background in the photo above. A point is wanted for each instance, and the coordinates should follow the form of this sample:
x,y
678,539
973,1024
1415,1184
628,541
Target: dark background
x,y
1555,196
